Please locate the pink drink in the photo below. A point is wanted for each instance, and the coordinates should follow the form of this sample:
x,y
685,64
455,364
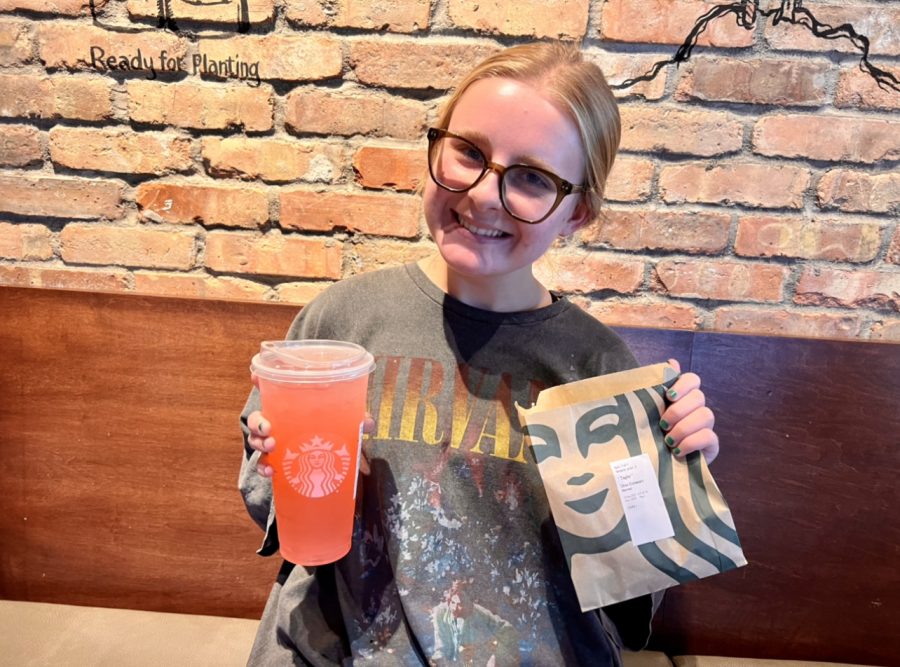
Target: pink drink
x,y
314,394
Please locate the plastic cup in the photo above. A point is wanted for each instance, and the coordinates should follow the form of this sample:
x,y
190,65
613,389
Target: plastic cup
x,y
313,393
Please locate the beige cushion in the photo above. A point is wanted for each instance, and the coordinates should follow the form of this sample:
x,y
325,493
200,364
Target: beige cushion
x,y
39,634
645,659
718,661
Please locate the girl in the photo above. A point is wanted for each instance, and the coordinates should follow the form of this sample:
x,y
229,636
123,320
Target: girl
x,y
518,157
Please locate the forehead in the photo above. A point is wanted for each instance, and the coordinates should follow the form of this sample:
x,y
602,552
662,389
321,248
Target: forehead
x,y
517,121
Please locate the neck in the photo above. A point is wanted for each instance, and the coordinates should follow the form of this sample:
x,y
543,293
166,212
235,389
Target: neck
x,y
509,294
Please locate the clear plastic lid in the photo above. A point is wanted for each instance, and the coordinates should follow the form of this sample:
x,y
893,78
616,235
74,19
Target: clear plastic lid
x,y
311,361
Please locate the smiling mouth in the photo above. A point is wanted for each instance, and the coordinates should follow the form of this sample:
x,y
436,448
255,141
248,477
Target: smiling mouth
x,y
588,505
478,231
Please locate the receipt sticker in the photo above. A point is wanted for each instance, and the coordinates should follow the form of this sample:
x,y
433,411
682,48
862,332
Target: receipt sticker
x,y
645,511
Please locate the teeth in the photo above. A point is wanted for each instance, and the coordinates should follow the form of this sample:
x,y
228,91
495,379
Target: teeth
x,y
490,233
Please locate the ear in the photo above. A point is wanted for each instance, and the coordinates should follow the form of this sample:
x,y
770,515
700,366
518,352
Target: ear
x,y
580,217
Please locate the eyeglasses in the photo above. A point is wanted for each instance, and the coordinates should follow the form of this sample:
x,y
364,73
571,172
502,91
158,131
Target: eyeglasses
x,y
529,194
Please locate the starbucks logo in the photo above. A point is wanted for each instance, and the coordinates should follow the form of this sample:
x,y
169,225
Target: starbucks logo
x,y
317,468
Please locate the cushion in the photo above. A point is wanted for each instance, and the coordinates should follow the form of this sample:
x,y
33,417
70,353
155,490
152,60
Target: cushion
x,y
37,633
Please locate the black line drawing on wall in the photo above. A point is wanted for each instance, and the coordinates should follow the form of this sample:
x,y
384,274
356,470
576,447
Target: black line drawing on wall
x,y
747,13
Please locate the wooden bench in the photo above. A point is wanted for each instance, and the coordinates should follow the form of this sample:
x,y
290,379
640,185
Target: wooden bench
x,y
119,435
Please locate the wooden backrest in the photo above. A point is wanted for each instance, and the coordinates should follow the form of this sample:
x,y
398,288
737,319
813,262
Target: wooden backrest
x,y
119,433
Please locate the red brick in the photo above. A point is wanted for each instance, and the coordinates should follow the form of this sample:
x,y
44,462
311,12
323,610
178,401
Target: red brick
x,y
120,150
649,313
388,168
85,47
406,16
15,42
20,146
621,67
583,272
201,106
323,112
25,241
657,129
199,286
38,96
756,81
631,179
91,280
300,293
877,22
642,229
273,160
127,246
258,11
668,22
70,198
856,191
412,63
280,57
564,19
849,289
380,253
54,7
893,254
887,330
369,213
779,236
720,280
786,322
751,184
835,138
273,254
188,203
858,89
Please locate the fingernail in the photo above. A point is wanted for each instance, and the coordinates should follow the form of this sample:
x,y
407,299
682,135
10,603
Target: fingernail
x,y
676,451
670,441
664,425
672,394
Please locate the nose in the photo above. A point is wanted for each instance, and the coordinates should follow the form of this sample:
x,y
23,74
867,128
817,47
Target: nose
x,y
486,192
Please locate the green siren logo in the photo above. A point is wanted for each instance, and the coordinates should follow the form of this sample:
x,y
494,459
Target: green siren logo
x,y
318,467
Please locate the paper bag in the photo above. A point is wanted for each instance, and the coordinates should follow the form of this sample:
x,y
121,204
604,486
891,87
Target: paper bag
x,y
632,518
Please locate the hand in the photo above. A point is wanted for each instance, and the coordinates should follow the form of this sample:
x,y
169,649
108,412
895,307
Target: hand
x,y
262,441
687,421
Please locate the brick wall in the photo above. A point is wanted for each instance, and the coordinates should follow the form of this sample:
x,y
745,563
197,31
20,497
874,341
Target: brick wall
x,y
757,190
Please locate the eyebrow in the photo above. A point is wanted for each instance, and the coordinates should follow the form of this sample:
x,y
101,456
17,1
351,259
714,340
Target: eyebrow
x,y
481,139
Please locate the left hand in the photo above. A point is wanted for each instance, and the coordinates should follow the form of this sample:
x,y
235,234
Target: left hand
x,y
687,422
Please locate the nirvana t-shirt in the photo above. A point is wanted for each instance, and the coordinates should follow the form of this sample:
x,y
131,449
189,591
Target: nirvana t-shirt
x,y
455,558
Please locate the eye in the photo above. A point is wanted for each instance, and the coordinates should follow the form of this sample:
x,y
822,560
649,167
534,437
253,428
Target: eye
x,y
465,153
530,181
544,442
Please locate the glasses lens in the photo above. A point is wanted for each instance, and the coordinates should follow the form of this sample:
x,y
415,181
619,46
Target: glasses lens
x,y
455,163
528,193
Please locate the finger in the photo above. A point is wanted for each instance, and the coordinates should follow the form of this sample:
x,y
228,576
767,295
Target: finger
x,y
263,467
704,440
702,418
686,382
368,424
678,410
674,363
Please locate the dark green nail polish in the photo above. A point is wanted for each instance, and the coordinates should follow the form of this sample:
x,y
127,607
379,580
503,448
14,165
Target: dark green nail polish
x,y
676,451
670,440
672,394
664,425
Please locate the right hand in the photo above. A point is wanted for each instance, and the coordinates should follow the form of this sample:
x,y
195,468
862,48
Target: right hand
x,y
261,441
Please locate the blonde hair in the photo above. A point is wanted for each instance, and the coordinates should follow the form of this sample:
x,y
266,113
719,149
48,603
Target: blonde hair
x,y
562,74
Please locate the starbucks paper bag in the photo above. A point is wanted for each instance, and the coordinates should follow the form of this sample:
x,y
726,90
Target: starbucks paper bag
x,y
632,519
